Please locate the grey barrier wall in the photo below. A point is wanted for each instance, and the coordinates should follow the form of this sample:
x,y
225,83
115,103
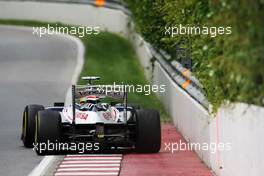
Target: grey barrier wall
x,y
68,13
188,116
241,125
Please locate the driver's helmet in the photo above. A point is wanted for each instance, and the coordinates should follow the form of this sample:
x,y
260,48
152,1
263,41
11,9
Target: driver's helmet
x,y
83,100
89,102
93,99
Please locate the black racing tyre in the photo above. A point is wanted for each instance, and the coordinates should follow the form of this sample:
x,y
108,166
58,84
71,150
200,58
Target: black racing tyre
x,y
48,132
148,131
28,125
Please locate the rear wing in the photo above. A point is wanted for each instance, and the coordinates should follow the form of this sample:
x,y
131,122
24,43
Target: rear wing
x,y
102,91
90,78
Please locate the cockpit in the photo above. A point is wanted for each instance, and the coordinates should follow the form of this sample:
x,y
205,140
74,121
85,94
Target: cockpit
x,y
92,103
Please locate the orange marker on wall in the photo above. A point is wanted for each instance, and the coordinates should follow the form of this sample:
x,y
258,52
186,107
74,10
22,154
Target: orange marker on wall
x,y
99,3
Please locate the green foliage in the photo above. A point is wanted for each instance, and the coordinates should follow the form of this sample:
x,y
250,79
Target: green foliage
x,y
231,67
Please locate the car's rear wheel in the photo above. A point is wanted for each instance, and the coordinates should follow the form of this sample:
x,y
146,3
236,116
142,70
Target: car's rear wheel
x,y
28,125
148,131
48,132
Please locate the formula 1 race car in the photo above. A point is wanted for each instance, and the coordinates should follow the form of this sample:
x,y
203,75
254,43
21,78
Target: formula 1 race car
x,y
92,120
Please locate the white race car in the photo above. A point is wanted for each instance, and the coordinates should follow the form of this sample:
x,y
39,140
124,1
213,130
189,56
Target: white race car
x,y
100,126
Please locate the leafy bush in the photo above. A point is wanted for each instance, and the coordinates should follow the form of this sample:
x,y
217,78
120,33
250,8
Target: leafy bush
x,y
231,67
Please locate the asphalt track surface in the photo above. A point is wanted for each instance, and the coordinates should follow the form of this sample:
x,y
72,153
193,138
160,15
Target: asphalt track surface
x,y
32,70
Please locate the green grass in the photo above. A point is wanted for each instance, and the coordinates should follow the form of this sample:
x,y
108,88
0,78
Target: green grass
x,y
113,59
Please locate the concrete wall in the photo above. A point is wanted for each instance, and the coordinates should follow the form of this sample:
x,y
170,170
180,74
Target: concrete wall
x,y
240,125
188,116
74,14
243,127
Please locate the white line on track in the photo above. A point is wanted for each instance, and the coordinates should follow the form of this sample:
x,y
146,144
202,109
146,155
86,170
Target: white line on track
x,y
87,162
85,173
92,158
89,169
112,155
90,165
